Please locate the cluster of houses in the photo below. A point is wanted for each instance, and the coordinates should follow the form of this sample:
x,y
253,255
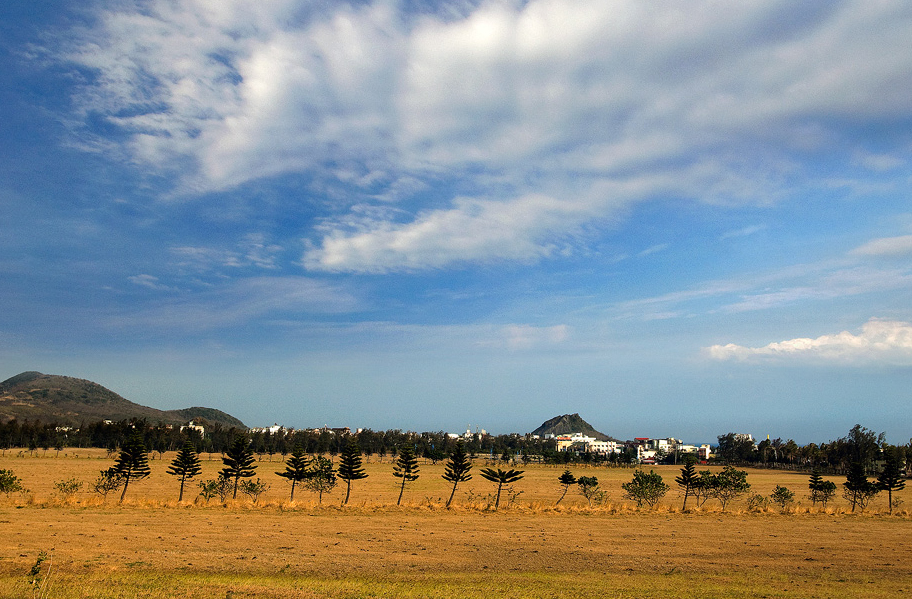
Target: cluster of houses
x,y
648,451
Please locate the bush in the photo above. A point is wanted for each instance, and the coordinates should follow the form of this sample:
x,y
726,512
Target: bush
x,y
68,487
645,488
10,483
219,487
589,488
781,496
757,502
107,481
253,489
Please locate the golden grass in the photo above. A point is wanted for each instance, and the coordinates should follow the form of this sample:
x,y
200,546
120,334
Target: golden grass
x,y
151,546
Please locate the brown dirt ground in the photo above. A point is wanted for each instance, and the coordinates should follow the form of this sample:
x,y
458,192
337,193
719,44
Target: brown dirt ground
x,y
374,537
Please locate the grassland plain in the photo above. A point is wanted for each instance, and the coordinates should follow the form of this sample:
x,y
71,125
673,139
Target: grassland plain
x,y
152,547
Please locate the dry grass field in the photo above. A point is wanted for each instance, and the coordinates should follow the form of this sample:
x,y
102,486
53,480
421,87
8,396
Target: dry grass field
x,y
152,547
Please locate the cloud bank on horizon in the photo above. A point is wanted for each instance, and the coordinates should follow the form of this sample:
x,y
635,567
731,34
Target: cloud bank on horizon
x,y
883,341
453,208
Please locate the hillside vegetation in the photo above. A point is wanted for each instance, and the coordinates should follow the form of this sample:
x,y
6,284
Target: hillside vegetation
x,y
72,401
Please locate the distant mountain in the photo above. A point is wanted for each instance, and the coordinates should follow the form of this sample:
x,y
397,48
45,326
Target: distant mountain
x,y
570,423
67,400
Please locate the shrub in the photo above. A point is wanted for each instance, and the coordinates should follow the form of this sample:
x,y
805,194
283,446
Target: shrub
x,y
757,502
68,487
108,480
589,488
821,490
253,489
645,488
218,487
781,496
10,483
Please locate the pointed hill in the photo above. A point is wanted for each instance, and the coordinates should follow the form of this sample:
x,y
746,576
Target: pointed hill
x,y
567,424
71,401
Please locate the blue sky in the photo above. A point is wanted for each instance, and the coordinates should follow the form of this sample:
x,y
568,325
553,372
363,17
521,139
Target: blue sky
x,y
676,219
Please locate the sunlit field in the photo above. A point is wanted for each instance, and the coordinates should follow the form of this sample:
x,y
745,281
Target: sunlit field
x,y
151,546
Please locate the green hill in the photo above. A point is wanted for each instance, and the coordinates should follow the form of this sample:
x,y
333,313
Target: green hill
x,y
72,401
567,424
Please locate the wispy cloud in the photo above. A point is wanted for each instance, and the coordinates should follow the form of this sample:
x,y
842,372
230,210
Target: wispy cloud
x,y
879,341
564,112
744,232
253,250
148,281
769,290
661,247
242,302
886,246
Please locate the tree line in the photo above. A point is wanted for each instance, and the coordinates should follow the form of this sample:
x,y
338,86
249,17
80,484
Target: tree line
x,y
860,445
39,436
320,475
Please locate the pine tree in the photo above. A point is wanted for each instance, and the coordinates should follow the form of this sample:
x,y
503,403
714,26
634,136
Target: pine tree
x,y
821,490
296,468
350,467
501,477
457,468
857,489
239,463
406,468
890,478
687,480
132,463
186,465
567,480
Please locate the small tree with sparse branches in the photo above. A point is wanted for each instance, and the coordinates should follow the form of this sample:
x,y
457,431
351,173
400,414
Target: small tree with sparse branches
x,y
821,490
456,470
688,479
186,465
239,463
296,468
350,467
502,478
107,481
405,468
132,463
589,488
321,477
890,478
566,480
857,489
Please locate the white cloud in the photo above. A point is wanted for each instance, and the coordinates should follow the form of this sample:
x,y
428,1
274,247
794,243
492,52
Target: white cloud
x,y
661,247
252,250
880,341
148,281
886,246
590,104
472,230
767,290
744,232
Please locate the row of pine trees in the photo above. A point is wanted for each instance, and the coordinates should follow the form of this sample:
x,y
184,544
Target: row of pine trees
x,y
320,475
316,473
